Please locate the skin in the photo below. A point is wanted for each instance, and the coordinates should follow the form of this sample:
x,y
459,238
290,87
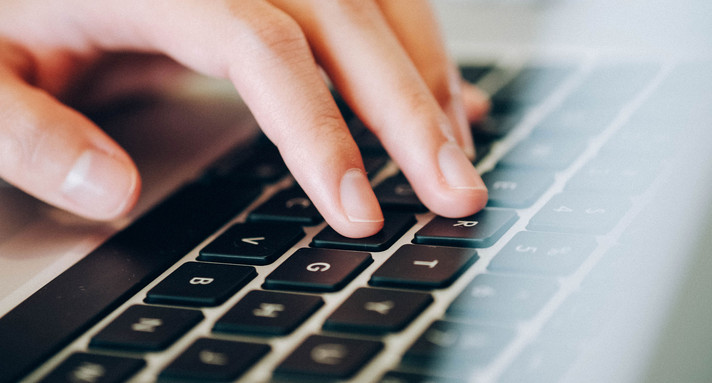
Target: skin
x,y
385,57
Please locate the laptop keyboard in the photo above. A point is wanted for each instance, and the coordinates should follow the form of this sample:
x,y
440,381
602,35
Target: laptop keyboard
x,y
254,286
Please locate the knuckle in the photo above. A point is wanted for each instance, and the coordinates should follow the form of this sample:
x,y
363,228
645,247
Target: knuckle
x,y
281,34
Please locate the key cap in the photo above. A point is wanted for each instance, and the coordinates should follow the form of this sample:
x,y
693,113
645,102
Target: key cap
x,y
254,243
609,173
540,362
395,225
395,193
543,253
215,360
502,300
290,205
268,313
473,73
83,367
146,328
409,377
480,230
543,152
327,357
320,270
423,267
570,212
201,284
533,84
577,120
516,188
455,349
377,311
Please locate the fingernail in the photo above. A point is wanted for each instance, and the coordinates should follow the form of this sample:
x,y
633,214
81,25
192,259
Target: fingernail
x,y
458,171
99,185
357,198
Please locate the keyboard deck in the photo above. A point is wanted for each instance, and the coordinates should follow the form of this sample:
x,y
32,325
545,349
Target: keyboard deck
x,y
236,277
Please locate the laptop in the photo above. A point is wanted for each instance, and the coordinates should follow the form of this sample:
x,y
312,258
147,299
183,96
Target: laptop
x,y
589,263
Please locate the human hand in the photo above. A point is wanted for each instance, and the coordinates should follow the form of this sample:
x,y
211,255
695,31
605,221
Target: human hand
x,y
385,57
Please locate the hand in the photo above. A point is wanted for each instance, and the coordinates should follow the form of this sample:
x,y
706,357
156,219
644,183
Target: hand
x,y
385,57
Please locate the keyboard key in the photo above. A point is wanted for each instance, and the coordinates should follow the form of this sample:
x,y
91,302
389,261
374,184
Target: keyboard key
x,y
540,362
214,360
543,253
516,188
423,267
533,84
146,328
394,226
268,313
501,299
480,230
579,120
83,367
611,173
543,152
201,284
570,212
254,243
327,357
377,311
473,73
320,270
395,193
456,349
409,377
290,205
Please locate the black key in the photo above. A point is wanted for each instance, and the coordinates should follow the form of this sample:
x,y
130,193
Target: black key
x,y
290,205
215,360
456,349
146,328
373,163
82,295
259,162
502,300
580,213
410,377
92,368
201,284
326,357
423,267
541,152
254,243
516,188
495,126
395,225
543,253
473,73
318,270
480,230
395,193
268,313
377,311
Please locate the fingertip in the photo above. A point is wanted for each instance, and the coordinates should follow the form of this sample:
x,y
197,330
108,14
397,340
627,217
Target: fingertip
x,y
361,208
101,186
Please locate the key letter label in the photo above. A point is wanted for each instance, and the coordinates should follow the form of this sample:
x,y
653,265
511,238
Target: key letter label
x,y
466,223
147,325
268,310
319,266
253,240
430,264
329,353
201,281
382,308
